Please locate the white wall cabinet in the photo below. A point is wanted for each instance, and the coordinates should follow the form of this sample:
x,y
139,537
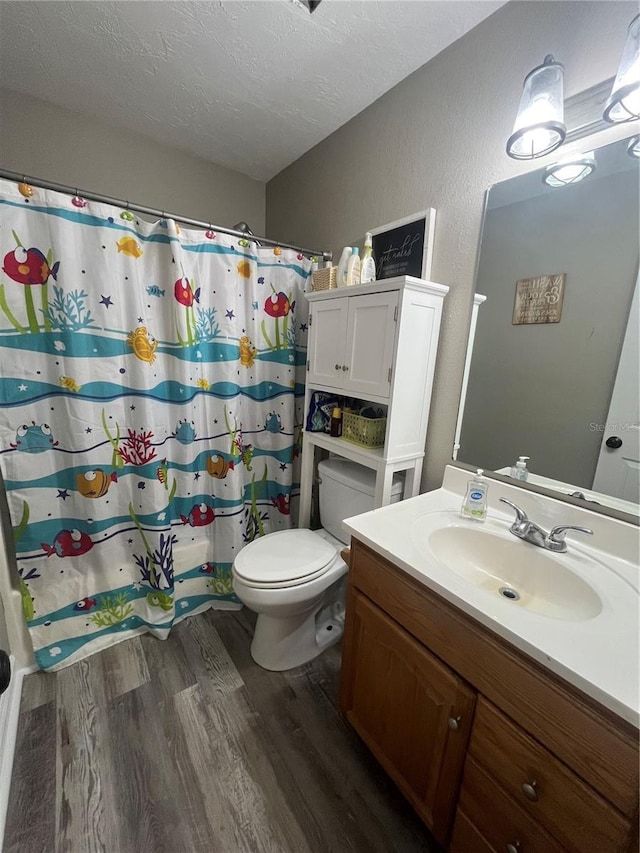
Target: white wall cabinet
x,y
377,342
351,346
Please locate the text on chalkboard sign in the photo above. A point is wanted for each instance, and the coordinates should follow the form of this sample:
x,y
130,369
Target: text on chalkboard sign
x,y
404,247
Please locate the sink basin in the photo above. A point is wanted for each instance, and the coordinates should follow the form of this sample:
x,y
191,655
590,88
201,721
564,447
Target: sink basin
x,y
522,574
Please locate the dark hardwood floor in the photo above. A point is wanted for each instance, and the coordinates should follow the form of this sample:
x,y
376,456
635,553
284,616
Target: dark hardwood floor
x,y
186,745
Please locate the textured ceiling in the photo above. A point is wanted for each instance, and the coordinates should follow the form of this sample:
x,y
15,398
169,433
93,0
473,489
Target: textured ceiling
x,y
248,85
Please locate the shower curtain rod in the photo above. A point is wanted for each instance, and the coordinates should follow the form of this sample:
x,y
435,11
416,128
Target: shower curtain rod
x,y
162,214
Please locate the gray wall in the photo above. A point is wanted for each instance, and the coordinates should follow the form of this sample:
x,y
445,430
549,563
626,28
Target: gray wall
x,y
46,141
437,139
535,389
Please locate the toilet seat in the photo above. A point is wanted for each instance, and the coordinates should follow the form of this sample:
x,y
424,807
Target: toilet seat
x,y
284,559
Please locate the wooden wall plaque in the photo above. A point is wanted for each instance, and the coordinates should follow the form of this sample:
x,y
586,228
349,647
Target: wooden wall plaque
x,y
539,299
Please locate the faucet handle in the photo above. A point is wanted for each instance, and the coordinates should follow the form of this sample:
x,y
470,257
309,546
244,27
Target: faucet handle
x,y
556,538
521,515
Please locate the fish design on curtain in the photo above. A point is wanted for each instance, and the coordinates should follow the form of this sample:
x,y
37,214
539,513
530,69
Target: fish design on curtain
x,y
151,384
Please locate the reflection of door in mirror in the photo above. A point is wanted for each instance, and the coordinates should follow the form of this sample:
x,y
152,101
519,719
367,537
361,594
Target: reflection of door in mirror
x,y
618,470
543,389
478,300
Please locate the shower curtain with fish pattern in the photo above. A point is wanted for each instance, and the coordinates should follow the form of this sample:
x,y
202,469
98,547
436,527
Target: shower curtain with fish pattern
x,y
151,382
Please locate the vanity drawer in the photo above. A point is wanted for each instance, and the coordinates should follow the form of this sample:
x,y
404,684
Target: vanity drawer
x,y
499,820
568,808
592,741
466,838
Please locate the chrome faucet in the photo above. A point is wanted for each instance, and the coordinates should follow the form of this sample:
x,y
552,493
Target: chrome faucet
x,y
525,529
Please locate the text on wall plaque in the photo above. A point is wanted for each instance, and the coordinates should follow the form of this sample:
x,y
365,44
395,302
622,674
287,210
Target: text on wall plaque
x,y
539,299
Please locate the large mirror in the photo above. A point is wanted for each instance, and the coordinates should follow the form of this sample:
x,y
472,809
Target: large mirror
x,y
554,372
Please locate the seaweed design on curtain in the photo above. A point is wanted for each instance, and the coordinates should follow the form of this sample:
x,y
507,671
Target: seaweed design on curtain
x,y
151,383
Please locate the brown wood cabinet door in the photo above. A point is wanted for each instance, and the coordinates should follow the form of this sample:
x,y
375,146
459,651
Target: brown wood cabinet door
x,y
411,710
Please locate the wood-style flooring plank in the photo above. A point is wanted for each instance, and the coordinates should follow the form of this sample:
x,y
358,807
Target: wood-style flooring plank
x,y
124,667
31,816
208,773
39,688
182,718
210,664
150,801
252,791
85,807
168,662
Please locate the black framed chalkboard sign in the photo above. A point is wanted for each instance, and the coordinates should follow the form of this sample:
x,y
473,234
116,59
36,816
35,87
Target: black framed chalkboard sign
x,y
405,247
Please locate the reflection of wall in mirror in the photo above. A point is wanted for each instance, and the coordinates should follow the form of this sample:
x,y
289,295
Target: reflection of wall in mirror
x,y
537,389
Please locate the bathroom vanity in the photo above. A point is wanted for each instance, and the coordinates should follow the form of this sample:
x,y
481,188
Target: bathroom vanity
x,y
504,727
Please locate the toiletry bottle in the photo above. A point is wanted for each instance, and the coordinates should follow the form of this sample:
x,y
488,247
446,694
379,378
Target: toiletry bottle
x,y
519,470
353,268
474,505
368,264
342,266
314,268
336,422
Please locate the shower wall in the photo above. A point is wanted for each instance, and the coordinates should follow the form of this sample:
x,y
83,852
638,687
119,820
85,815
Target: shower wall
x,y
84,152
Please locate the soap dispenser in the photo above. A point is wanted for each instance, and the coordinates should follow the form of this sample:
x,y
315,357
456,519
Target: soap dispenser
x,y
519,471
474,505
368,263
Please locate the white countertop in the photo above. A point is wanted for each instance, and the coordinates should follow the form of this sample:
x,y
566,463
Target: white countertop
x,y
599,655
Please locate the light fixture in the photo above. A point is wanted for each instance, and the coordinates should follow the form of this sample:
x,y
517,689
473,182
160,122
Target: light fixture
x,y
633,148
539,127
571,170
624,101
311,5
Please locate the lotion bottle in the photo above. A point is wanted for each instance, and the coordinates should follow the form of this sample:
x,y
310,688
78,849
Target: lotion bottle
x,y
474,505
341,275
353,268
519,471
368,265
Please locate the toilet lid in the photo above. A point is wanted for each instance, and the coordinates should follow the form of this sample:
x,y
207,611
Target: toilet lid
x,y
284,558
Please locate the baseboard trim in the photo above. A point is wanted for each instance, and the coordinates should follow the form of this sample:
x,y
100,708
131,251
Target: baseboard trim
x,y
9,713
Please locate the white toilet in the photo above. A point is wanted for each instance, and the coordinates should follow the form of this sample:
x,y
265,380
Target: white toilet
x,y
295,579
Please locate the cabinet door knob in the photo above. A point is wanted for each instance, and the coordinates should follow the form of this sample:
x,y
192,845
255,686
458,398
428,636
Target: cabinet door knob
x,y
337,367
514,847
454,723
530,790
345,367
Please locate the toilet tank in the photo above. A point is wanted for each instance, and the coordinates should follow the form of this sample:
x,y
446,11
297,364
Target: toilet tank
x,y
347,489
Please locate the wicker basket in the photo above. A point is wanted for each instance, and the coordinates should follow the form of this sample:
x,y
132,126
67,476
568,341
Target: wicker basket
x,y
325,279
368,432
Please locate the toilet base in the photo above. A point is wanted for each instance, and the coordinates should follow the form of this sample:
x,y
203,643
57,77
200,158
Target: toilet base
x,y
280,644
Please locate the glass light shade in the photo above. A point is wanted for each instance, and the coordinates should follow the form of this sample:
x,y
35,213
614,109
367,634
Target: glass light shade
x,y
539,127
633,148
571,170
624,101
